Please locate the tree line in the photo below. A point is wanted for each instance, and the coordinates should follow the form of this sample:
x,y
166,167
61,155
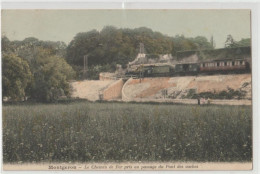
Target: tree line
x,y
113,46
41,70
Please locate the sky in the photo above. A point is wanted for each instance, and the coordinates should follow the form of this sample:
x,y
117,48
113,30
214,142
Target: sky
x,y
63,25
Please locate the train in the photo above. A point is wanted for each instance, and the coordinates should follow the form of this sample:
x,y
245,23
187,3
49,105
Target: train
x,y
209,67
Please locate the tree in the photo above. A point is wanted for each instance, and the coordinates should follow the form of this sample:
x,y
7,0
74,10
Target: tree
x,y
83,44
6,45
212,42
244,42
203,42
35,69
183,44
16,76
231,43
26,48
51,76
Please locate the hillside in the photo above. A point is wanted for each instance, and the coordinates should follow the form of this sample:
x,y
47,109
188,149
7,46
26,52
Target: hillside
x,y
188,87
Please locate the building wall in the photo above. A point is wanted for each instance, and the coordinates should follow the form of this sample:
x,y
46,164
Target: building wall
x,y
113,91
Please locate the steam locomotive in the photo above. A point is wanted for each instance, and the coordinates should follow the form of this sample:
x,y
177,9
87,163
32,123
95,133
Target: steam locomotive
x,y
204,68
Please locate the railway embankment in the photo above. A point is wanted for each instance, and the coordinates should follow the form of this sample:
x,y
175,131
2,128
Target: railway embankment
x,y
218,88
234,89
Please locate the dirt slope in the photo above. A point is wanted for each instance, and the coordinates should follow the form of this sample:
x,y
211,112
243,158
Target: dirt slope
x,y
178,86
89,89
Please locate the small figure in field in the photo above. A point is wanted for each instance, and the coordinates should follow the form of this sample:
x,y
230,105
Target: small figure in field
x,y
198,100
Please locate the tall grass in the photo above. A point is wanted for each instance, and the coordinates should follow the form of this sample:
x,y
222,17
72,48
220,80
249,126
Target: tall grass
x,y
100,132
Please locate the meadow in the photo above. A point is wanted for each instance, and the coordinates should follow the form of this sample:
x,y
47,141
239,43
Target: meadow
x,y
118,132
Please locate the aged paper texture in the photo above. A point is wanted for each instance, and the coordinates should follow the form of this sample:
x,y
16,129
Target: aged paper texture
x,y
127,90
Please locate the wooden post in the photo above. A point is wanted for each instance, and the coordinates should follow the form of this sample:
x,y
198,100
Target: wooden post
x,y
85,70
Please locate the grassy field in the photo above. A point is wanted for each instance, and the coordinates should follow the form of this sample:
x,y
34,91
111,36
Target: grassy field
x,y
100,132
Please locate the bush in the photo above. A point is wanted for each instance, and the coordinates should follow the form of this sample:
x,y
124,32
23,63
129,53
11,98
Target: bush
x,y
51,76
16,77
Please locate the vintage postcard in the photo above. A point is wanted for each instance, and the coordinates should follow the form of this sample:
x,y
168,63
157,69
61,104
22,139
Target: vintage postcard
x,y
127,89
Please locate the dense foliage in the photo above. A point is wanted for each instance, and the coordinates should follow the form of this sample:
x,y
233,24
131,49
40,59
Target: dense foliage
x,y
112,45
226,53
231,43
35,69
16,77
27,47
51,75
118,132
120,46
244,42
